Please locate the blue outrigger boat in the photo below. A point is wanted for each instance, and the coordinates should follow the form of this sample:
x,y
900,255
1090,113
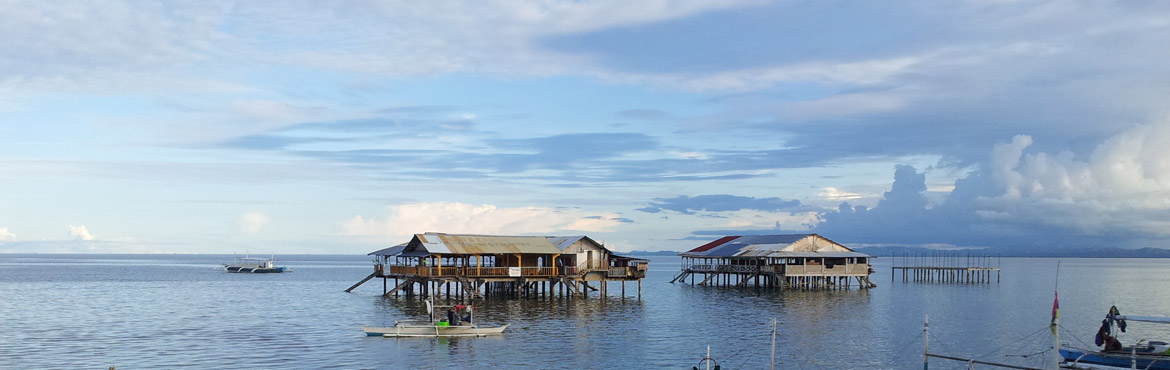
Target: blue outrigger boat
x,y
1153,355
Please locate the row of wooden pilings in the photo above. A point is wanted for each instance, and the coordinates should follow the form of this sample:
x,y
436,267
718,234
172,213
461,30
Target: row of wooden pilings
x,y
771,281
968,275
946,267
518,288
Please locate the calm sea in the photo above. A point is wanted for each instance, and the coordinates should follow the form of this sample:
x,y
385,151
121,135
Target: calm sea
x,y
175,311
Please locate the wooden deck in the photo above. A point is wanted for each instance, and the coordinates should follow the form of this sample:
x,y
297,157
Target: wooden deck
x,y
479,282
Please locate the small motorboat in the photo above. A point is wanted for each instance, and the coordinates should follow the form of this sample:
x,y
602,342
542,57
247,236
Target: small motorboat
x,y
255,265
456,324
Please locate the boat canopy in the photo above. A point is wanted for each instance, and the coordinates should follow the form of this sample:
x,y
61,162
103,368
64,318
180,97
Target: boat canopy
x,y
1164,320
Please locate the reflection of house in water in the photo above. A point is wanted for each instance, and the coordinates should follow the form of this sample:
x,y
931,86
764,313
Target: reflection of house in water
x,y
798,261
510,266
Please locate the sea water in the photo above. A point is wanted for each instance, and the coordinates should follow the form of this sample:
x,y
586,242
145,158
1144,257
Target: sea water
x,y
179,311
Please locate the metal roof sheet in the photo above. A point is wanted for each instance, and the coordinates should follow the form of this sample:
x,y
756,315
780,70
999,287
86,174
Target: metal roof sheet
x,y
769,245
562,242
438,243
392,251
713,244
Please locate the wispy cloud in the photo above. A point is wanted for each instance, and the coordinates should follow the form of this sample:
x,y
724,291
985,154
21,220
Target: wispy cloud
x,y
252,222
722,203
5,235
407,219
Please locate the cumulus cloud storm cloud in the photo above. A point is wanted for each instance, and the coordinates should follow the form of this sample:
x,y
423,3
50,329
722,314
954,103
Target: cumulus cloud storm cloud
x,y
80,233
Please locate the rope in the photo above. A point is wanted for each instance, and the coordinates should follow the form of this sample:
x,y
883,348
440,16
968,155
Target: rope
x,y
1028,337
907,346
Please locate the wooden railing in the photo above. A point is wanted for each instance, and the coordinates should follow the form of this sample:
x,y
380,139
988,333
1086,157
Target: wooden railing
x,y
472,272
430,271
852,269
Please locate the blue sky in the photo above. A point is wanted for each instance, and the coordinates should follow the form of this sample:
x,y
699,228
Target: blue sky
x,y
345,127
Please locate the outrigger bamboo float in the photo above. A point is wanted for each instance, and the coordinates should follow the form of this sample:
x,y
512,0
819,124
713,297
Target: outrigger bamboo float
x,y
796,261
456,325
475,266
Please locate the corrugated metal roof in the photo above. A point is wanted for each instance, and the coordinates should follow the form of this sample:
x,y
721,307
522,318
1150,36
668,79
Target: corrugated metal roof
x,y
811,245
562,242
392,251
437,243
615,256
716,243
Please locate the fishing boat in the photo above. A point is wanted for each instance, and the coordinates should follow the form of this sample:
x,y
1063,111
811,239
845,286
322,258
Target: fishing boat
x,y
1144,354
256,265
455,325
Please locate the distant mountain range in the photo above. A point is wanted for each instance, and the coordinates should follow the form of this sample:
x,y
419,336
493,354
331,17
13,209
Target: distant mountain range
x,y
892,251
651,253
1050,252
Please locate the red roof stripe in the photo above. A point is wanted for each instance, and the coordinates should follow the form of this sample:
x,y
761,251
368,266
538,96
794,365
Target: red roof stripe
x,y
713,244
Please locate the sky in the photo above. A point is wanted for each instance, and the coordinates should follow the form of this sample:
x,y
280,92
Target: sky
x,y
343,127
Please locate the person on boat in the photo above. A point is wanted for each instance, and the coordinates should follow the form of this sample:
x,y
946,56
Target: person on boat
x,y
1103,338
466,316
452,317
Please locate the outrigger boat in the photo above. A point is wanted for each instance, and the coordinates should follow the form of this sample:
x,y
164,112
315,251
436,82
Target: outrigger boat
x,y
460,327
255,265
1145,354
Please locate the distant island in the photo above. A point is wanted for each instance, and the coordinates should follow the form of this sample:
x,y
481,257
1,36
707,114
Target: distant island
x,y
651,253
1049,252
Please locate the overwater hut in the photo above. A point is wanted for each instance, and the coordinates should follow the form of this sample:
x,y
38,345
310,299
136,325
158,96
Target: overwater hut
x,y
794,261
478,265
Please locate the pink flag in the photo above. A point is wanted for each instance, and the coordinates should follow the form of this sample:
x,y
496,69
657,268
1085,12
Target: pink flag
x,y
1055,307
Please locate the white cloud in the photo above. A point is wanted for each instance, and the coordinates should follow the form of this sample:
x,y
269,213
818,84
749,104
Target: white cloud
x,y
408,219
5,235
252,222
866,72
1124,184
834,194
690,155
80,233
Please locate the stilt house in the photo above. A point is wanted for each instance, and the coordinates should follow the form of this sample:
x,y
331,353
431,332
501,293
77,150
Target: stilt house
x,y
797,261
478,265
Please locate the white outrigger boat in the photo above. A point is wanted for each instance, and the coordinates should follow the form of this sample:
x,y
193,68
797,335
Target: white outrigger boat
x,y
442,328
255,265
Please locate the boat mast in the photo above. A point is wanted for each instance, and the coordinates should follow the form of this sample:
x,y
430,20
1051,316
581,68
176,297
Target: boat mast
x,y
1056,320
926,343
773,343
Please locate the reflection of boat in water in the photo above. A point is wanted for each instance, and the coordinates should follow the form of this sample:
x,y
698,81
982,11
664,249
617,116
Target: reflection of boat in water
x,y
255,265
1145,354
456,324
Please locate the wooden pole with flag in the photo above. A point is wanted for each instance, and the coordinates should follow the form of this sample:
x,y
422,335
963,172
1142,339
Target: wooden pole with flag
x,y
1055,324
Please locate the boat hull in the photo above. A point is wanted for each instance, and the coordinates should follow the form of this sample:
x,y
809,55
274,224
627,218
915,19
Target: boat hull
x,y
254,270
1116,359
430,330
